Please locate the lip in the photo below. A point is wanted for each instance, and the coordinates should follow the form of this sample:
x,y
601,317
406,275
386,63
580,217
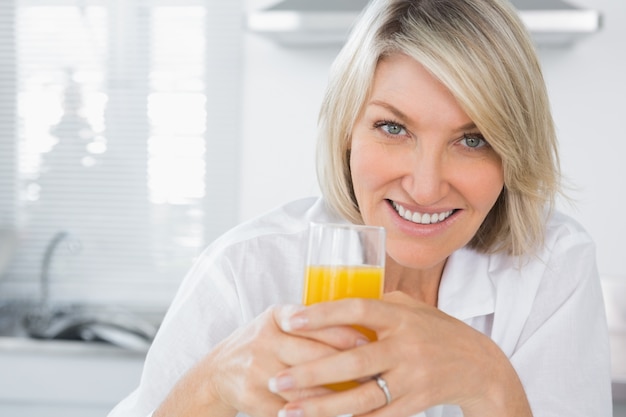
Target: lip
x,y
416,229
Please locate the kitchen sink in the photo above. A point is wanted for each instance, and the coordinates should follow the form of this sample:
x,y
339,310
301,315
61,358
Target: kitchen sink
x,y
47,320
77,322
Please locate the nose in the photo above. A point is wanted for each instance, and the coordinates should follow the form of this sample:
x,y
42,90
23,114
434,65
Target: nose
x,y
426,176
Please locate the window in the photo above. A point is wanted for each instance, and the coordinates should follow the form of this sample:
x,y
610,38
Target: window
x,y
118,143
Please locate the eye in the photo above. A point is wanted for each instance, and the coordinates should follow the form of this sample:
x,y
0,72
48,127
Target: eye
x,y
391,128
474,141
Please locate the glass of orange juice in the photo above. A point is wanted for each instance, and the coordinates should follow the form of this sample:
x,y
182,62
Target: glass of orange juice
x,y
344,261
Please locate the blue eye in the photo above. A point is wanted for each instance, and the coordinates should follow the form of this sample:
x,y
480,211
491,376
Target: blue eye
x,y
391,128
474,141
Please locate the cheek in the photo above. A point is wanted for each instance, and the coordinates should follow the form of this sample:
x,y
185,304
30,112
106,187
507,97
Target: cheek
x,y
483,184
369,168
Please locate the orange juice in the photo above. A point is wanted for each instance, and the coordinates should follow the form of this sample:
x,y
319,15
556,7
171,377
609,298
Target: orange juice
x,y
329,283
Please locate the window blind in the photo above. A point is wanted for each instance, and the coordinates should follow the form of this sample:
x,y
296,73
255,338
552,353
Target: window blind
x,y
114,171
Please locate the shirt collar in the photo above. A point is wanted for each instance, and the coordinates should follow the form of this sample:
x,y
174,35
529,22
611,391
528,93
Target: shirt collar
x,y
466,289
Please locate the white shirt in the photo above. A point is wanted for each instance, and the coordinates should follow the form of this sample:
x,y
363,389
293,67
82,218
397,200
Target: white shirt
x,y
547,316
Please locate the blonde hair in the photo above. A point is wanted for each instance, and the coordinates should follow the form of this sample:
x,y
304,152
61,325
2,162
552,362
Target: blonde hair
x,y
480,50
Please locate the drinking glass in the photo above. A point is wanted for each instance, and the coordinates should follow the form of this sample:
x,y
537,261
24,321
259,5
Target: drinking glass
x,y
344,261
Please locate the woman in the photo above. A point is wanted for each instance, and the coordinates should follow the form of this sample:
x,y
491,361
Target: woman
x,y
435,125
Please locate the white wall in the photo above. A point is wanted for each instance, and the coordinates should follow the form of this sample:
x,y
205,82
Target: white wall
x,y
587,87
587,83
283,91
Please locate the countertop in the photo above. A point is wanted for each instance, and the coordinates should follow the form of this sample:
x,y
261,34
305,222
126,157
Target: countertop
x,y
58,348
24,345
618,365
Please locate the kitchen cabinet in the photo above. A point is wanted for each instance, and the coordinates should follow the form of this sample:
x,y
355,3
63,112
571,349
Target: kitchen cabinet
x,y
328,22
618,365
77,379
64,378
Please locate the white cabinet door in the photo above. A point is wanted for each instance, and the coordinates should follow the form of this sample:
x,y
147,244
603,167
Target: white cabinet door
x,y
67,379
50,410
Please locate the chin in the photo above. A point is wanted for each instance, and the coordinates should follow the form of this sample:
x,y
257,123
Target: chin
x,y
417,259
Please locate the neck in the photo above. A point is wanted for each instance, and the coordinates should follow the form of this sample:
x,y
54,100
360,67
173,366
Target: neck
x,y
420,284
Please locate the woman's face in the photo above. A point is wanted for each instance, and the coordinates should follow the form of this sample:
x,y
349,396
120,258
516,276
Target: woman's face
x,y
420,167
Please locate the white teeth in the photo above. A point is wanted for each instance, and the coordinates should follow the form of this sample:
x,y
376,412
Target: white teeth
x,y
426,218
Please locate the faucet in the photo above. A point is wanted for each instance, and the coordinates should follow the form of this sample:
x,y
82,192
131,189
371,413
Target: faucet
x,y
44,279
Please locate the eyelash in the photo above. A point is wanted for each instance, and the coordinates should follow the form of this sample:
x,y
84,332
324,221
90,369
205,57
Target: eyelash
x,y
383,123
465,137
480,137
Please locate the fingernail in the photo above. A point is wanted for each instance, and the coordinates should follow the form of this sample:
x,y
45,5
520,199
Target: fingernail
x,y
295,323
280,383
287,321
362,341
292,412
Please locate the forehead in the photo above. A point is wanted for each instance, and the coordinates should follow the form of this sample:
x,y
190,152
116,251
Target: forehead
x,y
405,85
399,72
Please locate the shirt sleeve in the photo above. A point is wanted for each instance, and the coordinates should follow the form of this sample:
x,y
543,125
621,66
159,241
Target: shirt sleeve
x,y
203,312
563,354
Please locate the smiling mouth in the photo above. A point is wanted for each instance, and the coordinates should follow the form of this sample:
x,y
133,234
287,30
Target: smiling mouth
x,y
420,218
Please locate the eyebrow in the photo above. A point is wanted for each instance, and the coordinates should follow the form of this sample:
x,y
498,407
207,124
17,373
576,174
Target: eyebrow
x,y
391,108
399,114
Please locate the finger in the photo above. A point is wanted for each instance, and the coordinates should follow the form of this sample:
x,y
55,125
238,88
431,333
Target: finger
x,y
339,337
373,314
357,401
299,394
294,350
349,365
283,315
367,400
401,407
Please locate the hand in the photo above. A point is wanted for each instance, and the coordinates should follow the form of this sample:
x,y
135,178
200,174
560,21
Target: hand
x,y
425,356
234,376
